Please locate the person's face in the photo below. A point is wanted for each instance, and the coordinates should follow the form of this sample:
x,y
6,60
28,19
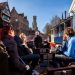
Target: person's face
x,y
65,36
11,32
23,37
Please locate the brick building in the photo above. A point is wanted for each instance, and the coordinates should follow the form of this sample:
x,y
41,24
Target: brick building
x,y
19,21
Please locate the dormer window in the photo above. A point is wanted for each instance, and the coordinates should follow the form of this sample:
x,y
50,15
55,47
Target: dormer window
x,y
6,18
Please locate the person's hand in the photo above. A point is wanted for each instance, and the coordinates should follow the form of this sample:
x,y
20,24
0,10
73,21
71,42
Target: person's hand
x,y
27,67
65,37
31,50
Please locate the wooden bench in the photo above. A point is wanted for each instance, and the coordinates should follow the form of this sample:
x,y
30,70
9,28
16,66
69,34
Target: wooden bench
x,y
51,71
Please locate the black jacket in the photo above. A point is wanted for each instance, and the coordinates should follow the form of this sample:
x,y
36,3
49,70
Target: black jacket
x,y
23,51
14,59
38,41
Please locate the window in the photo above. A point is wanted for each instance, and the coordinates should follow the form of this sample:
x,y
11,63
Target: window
x,y
5,17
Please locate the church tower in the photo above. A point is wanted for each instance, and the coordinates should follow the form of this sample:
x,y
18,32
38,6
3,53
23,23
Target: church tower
x,y
34,23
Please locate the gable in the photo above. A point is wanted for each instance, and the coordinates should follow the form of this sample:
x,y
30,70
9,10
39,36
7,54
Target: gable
x,y
72,8
6,10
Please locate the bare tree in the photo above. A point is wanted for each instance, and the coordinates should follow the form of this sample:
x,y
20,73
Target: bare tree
x,y
55,20
47,29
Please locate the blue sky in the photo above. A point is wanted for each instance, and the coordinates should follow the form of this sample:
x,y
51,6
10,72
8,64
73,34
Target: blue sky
x,y
43,9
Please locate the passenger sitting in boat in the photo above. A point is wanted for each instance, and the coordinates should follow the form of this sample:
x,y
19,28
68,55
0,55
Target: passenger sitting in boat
x,y
68,47
27,53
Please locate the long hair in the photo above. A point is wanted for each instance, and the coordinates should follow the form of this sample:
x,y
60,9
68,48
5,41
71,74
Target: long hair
x,y
69,31
1,33
23,37
6,30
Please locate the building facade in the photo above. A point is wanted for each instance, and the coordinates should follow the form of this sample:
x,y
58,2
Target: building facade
x,y
19,21
57,31
72,12
4,13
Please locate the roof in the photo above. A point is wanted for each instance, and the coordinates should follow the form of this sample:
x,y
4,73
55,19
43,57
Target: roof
x,y
21,14
2,6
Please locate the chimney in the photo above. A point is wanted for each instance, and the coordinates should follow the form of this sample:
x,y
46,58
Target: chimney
x,y
13,7
62,16
25,17
65,14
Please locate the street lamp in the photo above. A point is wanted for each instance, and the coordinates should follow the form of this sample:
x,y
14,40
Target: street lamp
x,y
17,25
16,20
